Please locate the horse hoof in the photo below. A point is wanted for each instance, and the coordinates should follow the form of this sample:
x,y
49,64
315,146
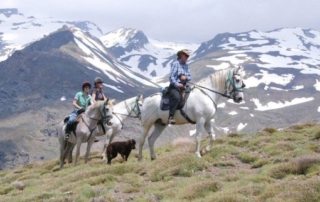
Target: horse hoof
x,y
208,148
198,154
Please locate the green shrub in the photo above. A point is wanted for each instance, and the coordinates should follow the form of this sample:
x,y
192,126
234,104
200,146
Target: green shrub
x,y
247,158
270,130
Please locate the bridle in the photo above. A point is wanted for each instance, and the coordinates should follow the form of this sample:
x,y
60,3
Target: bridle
x,y
230,81
237,86
134,112
103,114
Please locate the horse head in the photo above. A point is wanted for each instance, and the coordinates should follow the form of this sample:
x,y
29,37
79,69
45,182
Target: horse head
x,y
106,111
236,84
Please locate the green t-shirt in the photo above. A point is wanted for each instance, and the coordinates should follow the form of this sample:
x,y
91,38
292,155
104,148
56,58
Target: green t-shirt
x,y
82,99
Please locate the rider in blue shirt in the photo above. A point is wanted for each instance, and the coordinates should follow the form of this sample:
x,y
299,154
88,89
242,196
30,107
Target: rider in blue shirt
x,y
179,76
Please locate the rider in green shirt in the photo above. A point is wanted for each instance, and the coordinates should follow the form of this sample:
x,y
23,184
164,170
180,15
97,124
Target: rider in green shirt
x,y
81,101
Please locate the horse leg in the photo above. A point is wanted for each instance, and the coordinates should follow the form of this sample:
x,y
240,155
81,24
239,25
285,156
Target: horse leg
x,y
70,153
212,136
78,144
103,154
158,128
199,131
62,152
89,144
142,140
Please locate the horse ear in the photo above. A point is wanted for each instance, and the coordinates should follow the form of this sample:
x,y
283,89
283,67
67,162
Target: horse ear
x,y
106,102
140,98
111,102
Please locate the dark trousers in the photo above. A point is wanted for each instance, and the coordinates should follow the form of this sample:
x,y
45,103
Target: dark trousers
x,y
175,99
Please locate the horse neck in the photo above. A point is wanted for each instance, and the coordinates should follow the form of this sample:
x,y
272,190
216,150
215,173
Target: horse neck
x,y
217,82
123,108
219,79
91,115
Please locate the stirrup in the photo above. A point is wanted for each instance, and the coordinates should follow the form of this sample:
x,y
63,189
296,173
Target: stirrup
x,y
171,121
67,136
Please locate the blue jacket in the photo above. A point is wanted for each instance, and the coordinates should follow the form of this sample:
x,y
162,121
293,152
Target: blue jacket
x,y
178,69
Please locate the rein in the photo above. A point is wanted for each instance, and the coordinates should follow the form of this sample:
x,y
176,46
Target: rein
x,y
118,119
91,130
211,90
137,114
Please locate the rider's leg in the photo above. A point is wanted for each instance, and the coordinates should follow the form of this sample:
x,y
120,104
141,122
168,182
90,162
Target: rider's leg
x,y
175,99
72,119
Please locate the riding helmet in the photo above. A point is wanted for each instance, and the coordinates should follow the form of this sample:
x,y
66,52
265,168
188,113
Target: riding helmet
x,y
183,51
85,84
98,80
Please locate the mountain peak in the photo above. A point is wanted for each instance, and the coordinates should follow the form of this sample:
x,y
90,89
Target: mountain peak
x,y
125,37
9,11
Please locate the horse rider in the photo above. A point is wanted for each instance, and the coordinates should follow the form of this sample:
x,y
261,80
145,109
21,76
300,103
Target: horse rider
x,y
179,76
81,101
97,95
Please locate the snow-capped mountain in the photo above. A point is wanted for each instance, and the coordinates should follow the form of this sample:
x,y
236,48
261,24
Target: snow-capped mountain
x,y
282,75
147,56
60,62
18,30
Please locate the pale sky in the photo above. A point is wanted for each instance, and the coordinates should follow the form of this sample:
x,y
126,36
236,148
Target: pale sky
x,y
179,20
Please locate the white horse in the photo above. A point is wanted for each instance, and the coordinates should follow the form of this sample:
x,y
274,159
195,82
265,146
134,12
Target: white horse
x,y
122,110
200,108
85,131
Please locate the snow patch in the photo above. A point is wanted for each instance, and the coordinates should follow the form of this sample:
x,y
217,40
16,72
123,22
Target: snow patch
x,y
279,105
192,132
221,105
113,87
63,98
299,87
221,66
233,113
241,126
267,79
317,85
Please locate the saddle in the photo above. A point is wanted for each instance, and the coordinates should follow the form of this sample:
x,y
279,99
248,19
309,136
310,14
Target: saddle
x,y
165,101
71,127
165,98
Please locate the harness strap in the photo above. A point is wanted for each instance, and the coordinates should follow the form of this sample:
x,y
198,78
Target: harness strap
x,y
91,130
219,93
186,117
214,103
119,119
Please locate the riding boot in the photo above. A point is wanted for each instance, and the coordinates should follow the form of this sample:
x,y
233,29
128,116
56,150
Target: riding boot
x,y
171,120
68,130
175,99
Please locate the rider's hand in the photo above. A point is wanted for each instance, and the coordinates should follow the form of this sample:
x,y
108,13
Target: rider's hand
x,y
179,85
183,78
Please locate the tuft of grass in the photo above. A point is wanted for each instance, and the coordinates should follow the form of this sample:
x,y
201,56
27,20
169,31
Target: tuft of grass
x,y
317,135
234,135
200,189
87,191
270,130
299,166
181,164
5,190
247,158
294,190
259,163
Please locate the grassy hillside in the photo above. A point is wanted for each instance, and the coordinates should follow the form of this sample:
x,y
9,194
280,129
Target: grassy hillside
x,y
268,166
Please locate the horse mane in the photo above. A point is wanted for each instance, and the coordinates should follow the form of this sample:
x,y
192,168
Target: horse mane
x,y
218,78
